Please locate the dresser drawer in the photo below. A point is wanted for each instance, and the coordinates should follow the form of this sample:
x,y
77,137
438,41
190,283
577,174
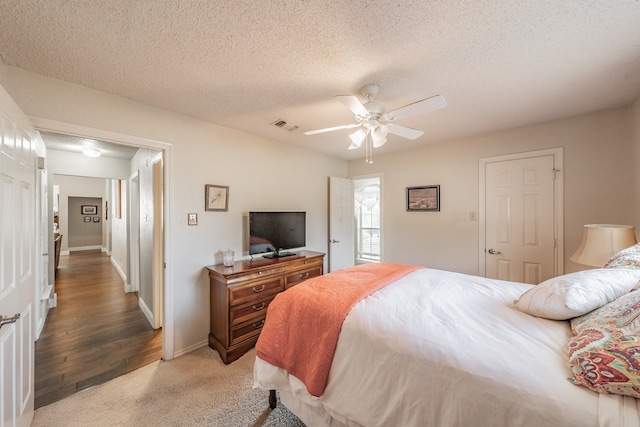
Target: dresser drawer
x,y
296,277
255,290
257,274
255,309
247,330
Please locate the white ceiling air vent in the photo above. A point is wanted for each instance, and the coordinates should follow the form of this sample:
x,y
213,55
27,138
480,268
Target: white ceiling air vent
x,y
284,125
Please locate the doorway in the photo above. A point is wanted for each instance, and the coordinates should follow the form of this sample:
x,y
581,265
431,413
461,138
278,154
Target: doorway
x,y
166,150
129,207
355,221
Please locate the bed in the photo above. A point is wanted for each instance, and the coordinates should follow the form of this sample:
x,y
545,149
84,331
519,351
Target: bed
x,y
438,348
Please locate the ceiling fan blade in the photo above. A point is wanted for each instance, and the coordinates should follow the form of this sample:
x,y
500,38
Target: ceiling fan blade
x,y
314,132
404,131
434,103
353,103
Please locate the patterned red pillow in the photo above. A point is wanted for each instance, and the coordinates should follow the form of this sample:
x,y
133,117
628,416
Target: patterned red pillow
x,y
606,361
626,258
624,312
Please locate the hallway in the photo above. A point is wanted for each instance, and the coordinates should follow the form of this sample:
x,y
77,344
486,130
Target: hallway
x,y
96,333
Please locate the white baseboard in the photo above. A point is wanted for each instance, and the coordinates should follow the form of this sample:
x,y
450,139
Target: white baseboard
x,y
191,348
146,311
84,248
119,270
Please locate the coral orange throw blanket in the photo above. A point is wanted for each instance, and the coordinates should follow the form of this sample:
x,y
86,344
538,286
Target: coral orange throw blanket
x,y
302,327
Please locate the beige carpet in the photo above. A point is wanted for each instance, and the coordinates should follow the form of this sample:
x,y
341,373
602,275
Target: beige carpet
x,y
196,389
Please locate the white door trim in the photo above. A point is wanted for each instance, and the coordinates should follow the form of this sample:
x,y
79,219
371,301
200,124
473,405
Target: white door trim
x,y
558,204
168,329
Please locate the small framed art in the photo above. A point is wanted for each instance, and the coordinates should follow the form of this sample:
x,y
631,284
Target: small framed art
x,y
216,198
89,210
424,198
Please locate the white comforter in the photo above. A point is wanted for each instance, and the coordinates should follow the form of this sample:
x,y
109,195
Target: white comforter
x,y
446,349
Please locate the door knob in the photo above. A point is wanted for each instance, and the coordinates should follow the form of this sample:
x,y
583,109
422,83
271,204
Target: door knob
x,y
335,241
494,252
7,320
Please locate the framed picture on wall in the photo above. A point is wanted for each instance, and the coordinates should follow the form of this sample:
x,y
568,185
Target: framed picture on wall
x,y
424,198
89,210
96,219
87,219
216,198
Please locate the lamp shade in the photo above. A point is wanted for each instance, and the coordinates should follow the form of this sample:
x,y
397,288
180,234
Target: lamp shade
x,y
356,138
601,241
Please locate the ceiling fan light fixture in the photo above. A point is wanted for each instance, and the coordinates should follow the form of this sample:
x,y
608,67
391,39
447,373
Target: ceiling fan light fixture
x,y
356,138
379,136
376,122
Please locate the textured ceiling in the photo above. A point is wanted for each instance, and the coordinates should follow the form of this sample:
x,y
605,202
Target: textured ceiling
x,y
245,64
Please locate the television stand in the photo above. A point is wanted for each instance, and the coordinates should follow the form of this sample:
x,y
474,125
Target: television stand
x,y
240,296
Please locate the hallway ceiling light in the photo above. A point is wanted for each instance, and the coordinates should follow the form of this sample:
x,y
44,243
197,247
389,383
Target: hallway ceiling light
x,y
91,152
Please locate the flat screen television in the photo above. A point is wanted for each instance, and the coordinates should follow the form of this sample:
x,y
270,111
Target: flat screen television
x,y
274,232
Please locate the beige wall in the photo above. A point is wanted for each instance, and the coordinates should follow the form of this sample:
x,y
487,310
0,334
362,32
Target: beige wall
x,y
261,174
598,174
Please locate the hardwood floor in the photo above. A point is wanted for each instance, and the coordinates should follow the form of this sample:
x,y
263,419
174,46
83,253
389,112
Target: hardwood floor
x,y
96,333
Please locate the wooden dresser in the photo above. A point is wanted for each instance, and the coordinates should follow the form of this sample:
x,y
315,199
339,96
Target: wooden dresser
x,y
241,294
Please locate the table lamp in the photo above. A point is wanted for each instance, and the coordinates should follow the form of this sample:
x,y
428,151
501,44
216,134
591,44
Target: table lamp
x,y
601,241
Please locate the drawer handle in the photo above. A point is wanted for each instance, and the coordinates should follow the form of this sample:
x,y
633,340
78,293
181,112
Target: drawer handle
x,y
305,275
259,325
257,291
258,308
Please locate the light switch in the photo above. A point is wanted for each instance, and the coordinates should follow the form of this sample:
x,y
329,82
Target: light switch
x,y
192,219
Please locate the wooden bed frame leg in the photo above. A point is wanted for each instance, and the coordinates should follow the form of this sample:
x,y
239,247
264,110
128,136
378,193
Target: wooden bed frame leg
x,y
273,400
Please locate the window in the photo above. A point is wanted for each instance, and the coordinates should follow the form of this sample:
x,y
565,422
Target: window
x,y
367,211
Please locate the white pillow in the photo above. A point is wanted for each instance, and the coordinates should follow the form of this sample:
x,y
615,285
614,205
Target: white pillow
x,y
575,294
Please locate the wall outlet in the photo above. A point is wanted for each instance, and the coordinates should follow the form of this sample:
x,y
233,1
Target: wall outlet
x,y
192,219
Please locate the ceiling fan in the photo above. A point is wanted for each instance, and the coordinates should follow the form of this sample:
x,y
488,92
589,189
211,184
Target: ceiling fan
x,y
375,122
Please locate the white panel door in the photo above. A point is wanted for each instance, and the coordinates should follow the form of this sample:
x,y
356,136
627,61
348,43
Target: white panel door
x,y
341,224
17,264
519,219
